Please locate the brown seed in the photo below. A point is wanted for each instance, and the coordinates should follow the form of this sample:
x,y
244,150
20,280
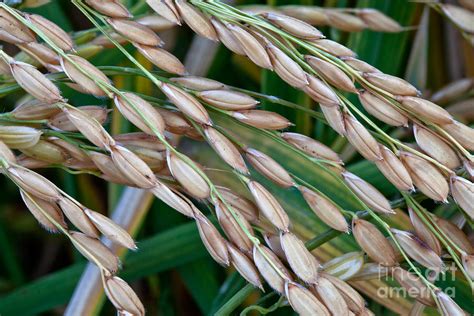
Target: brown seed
x,y
325,209
103,41
174,199
361,139
436,147
301,261
353,299
370,271
198,83
334,48
463,193
268,167
303,301
111,8
262,119
52,31
360,65
371,240
75,66
232,228
368,193
320,92
461,17
70,150
135,32
455,234
174,121
46,151
38,207
345,22
310,14
334,118
6,153
108,168
382,109
287,68
244,266
276,280
12,30
132,167
95,251
269,206
378,21
61,120
19,137
35,184
215,244
34,110
228,100
345,266
251,46
426,109
189,178
244,206
156,23
31,163
294,26
166,9
331,297
273,241
461,133
391,84
225,149
425,234
394,170
418,251
331,73
447,306
111,230
140,140
227,38
452,91
35,83
196,20
162,59
186,103
40,52
414,286
78,218
311,147
123,297
427,178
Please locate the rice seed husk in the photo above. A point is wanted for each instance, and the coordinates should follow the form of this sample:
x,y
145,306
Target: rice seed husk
x,y
70,150
135,32
382,109
38,207
418,251
468,264
132,167
190,179
111,8
371,240
198,83
361,139
6,153
345,22
436,147
268,167
303,301
301,261
227,38
30,163
325,209
244,266
162,59
251,46
75,73
215,244
95,251
370,271
455,234
122,103
287,68
331,73
140,140
391,84
359,65
461,133
111,230
394,170
452,91
174,121
34,110
123,297
353,299
89,127
424,233
174,199
426,109
310,146
42,53
378,21
54,33
267,270
61,121
156,22
269,206
459,16
19,137
426,177
228,100
414,286
196,20
345,266
35,184
225,149
35,83
294,26
77,217
334,48
239,203
462,191
166,9
447,306
104,41
331,297
12,31
46,151
108,168
320,92
186,103
368,193
4,68
232,228
333,116
273,242
310,14
262,119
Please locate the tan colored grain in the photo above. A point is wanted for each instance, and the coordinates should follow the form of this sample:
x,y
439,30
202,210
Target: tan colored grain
x,y
198,83
303,301
189,178
215,244
345,22
426,109
38,207
239,203
301,261
287,68
196,20
361,139
414,286
111,8
382,109
461,133
34,183
378,21
463,193
166,9
52,31
95,251
294,26
268,167
424,233
320,92
244,266
162,59
267,270
394,170
331,297
391,84
232,228
19,137
228,100
135,32
132,167
123,297
262,119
